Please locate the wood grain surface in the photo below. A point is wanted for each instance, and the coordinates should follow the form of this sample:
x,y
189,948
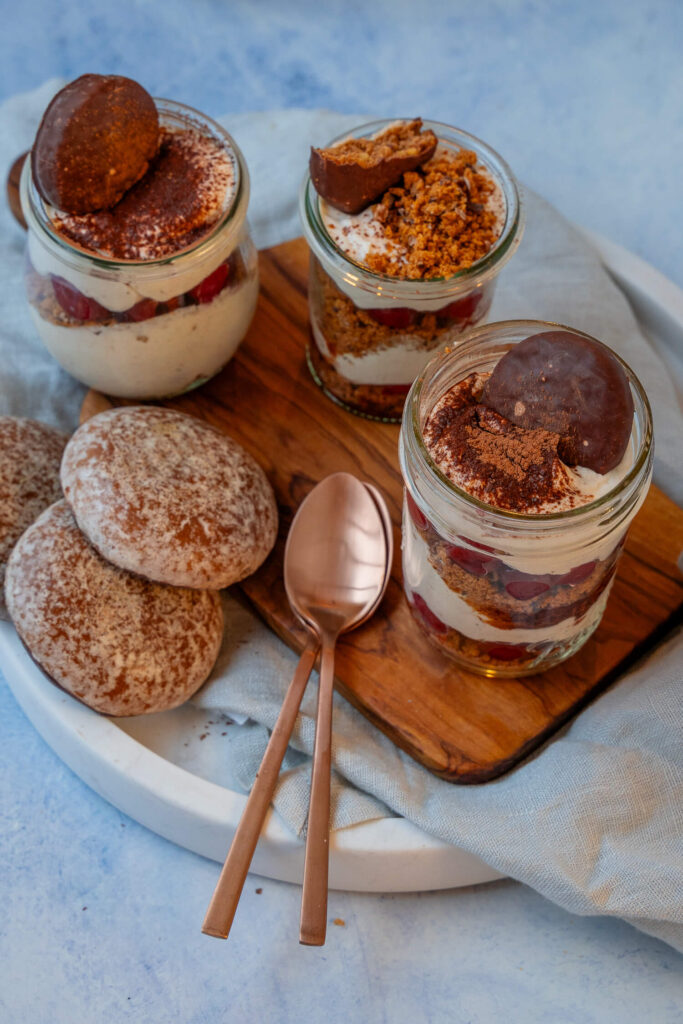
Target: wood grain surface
x,y
463,727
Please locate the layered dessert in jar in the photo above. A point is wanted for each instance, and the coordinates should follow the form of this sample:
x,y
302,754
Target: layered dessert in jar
x,y
408,223
526,452
141,276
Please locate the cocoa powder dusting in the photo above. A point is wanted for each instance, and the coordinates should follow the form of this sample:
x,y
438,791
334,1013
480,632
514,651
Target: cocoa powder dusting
x,y
502,465
178,200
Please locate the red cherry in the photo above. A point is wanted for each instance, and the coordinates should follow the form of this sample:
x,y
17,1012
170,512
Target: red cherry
x,y
416,513
398,317
209,288
395,389
579,574
76,304
475,565
507,652
463,309
524,590
428,616
145,309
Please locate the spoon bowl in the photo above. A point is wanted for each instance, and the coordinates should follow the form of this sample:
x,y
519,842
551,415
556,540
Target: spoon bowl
x,y
336,555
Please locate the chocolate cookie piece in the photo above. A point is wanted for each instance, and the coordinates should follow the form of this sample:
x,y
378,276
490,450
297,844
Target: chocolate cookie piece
x,y
569,384
353,173
95,141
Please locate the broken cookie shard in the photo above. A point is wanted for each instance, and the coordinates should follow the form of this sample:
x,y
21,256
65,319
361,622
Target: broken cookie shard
x,y
569,384
353,173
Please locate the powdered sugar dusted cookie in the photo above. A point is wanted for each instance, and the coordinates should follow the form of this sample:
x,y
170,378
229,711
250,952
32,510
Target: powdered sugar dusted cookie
x,y
120,644
166,495
30,454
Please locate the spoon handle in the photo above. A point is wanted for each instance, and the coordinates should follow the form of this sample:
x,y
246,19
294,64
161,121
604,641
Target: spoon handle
x,y
313,924
219,916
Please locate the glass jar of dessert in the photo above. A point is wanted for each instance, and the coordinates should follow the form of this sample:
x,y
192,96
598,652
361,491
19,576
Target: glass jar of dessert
x,y
394,278
526,451
152,296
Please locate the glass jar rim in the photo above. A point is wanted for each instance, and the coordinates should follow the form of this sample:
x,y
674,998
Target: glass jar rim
x,y
356,274
411,429
34,207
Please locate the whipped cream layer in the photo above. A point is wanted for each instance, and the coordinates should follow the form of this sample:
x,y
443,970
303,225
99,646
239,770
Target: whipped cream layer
x,y
161,356
421,578
399,363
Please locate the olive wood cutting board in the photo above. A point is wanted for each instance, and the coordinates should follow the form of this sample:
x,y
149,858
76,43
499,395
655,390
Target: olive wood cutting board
x,y
461,726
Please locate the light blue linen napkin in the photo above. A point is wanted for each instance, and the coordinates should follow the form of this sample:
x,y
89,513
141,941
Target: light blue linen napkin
x,y
595,820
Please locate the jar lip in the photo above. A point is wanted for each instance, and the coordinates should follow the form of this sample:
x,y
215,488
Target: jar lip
x,y
34,206
356,273
411,428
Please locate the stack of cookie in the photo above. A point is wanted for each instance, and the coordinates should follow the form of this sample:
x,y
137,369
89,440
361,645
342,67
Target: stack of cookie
x,y
114,588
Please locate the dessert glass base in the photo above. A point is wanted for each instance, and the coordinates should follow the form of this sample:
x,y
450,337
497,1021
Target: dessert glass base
x,y
382,403
154,349
491,617
366,359
496,660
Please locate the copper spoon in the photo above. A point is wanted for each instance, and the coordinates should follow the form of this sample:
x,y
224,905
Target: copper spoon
x,y
335,578
12,186
223,905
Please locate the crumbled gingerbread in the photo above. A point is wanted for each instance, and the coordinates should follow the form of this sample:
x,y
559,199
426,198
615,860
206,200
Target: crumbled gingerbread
x,y
350,330
441,219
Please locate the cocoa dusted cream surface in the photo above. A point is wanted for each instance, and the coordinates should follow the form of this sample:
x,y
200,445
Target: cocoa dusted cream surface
x,y
179,200
502,465
520,468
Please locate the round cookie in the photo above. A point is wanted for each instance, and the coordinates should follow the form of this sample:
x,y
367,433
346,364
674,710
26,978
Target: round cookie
x,y
94,142
168,496
30,455
120,644
571,385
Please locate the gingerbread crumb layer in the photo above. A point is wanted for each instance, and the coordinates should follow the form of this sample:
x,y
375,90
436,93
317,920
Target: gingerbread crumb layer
x,y
441,219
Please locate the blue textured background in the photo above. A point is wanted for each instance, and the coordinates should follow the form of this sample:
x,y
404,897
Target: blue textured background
x,y
582,98
100,918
